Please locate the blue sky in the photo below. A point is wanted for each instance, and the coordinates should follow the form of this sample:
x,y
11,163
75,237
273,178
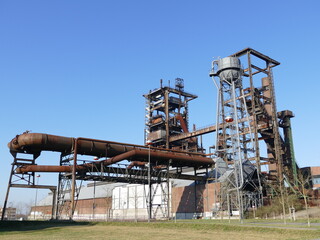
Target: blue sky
x,y
80,68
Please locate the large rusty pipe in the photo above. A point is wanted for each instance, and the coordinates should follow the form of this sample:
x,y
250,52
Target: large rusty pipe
x,y
48,168
136,164
119,157
175,157
182,123
37,142
118,147
142,155
43,168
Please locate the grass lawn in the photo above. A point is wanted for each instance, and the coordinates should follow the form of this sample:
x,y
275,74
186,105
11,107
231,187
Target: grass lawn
x,y
154,231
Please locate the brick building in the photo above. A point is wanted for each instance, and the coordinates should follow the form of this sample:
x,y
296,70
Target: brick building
x,y
314,174
104,201
10,213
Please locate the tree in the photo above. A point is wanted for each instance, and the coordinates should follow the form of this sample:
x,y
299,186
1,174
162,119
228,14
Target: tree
x,y
304,181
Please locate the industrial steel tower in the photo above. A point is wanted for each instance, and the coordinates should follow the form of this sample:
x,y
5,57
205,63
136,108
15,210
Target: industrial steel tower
x,y
235,138
250,153
167,115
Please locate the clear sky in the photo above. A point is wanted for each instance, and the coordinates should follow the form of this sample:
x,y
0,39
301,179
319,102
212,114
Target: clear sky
x,y
79,68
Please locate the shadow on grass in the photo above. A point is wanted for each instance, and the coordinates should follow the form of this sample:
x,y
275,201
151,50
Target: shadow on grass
x,y
7,226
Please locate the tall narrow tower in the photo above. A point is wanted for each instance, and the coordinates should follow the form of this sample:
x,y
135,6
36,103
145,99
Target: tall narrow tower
x,y
234,138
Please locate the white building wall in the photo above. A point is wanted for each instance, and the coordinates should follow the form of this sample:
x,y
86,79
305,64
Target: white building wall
x,y
130,201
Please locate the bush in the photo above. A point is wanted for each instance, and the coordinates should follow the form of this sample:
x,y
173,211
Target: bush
x,y
275,208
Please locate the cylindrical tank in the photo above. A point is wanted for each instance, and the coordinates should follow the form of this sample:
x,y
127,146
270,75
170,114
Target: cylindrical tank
x,y
229,69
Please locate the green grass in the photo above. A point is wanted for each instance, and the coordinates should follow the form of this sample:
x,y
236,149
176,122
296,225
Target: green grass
x,y
203,229
278,222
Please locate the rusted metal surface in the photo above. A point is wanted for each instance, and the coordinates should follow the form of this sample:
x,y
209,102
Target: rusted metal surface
x,y
267,95
37,142
136,164
196,133
203,131
120,157
187,159
171,104
140,154
43,168
183,123
116,152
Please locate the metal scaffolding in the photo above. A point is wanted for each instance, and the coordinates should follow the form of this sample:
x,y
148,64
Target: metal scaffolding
x,y
25,180
247,122
167,115
235,139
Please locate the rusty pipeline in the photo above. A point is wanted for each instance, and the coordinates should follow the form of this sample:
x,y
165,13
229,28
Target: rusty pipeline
x,y
37,142
142,155
136,164
114,151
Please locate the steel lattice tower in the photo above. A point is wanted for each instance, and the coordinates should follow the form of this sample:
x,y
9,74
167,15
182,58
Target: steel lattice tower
x,y
235,137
